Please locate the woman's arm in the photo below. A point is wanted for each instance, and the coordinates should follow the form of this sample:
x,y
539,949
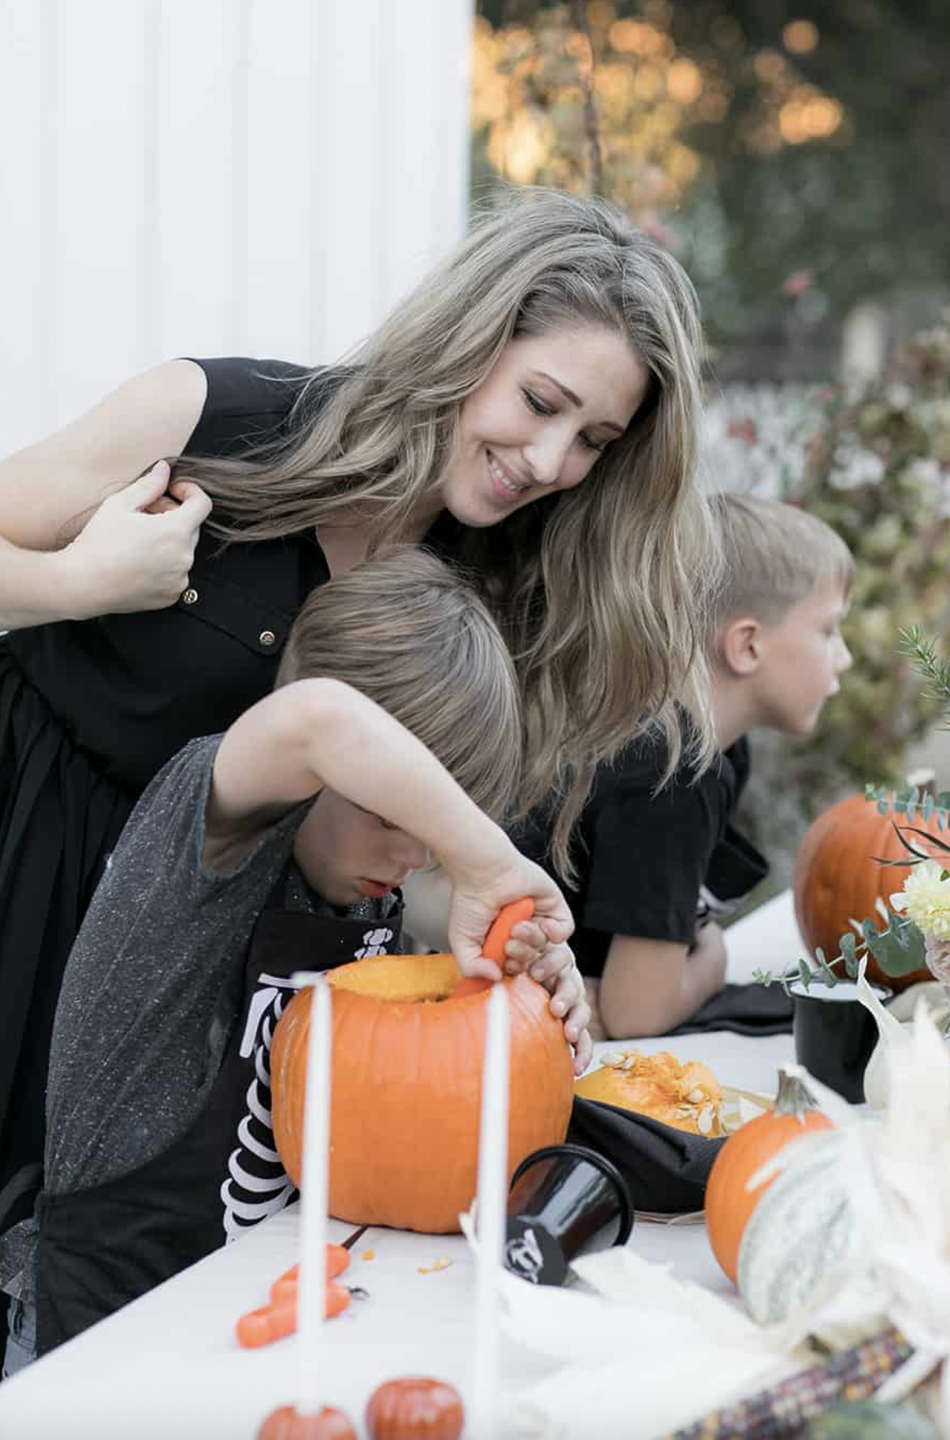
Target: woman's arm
x,y
76,538
651,986
321,732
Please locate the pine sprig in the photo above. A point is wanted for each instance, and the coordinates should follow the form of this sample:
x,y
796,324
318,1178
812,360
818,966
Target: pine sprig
x,y
921,651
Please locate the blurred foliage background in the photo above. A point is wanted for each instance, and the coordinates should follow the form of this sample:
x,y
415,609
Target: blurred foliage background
x,y
796,159
797,155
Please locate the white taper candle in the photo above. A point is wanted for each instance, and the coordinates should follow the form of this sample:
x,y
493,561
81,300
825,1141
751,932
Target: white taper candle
x,y
492,1213
311,1293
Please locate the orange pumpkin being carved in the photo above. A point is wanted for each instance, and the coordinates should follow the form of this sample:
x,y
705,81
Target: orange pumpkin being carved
x,y
406,1087
837,878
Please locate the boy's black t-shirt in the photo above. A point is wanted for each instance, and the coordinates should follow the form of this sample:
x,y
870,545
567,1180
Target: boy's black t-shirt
x,y
653,865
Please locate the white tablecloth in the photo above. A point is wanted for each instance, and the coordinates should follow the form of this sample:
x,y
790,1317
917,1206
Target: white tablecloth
x,y
167,1367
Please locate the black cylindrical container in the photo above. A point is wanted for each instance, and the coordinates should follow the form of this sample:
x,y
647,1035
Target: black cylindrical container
x,y
564,1200
835,1034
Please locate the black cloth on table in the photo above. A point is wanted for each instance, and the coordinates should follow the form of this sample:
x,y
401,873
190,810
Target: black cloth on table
x,y
91,710
744,1010
666,1170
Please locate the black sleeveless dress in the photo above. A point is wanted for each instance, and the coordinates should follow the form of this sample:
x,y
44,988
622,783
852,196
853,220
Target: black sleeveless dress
x,y
91,710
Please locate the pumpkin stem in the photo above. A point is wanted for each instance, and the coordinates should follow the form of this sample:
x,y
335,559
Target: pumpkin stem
x,y
793,1097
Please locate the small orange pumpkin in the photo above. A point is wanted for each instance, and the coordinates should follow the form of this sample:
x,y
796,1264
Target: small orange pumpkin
x,y
729,1202
837,878
406,1089
288,1424
414,1408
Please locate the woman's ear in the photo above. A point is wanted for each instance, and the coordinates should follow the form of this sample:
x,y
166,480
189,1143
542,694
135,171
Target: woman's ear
x,y
742,645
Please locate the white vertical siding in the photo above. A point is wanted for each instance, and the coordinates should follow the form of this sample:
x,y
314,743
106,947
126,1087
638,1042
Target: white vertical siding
x,y
215,177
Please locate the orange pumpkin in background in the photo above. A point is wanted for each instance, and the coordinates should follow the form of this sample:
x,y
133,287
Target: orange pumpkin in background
x,y
406,1087
837,879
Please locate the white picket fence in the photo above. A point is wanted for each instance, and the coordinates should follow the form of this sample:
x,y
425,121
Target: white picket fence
x,y
260,177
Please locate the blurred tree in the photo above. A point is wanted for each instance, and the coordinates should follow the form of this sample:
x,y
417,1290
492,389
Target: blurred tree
x,y
791,139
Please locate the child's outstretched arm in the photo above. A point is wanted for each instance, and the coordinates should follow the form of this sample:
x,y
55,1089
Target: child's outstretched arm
x,y
317,733
651,986
428,895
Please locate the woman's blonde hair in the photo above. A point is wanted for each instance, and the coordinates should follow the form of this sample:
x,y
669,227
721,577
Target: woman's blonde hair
x,y
774,556
410,633
601,591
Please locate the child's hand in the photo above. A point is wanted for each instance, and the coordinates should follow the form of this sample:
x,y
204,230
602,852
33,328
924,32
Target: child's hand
x,y
473,911
554,967
557,971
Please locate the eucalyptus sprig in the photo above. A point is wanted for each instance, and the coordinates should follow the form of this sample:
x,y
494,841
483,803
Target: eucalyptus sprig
x,y
899,948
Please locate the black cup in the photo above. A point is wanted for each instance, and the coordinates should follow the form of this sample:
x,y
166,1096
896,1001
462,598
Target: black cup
x,y
564,1200
835,1035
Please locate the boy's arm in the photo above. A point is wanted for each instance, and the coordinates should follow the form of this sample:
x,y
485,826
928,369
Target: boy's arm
x,y
323,732
651,986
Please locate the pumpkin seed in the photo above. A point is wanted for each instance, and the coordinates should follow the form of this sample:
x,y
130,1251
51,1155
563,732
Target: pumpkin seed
x,y
704,1121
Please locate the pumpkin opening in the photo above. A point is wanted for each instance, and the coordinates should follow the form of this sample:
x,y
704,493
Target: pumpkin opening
x,y
413,979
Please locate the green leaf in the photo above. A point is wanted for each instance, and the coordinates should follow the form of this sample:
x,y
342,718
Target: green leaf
x,y
849,949
804,973
898,949
828,975
928,807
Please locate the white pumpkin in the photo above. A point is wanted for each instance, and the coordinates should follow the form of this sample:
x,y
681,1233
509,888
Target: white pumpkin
x,y
801,1238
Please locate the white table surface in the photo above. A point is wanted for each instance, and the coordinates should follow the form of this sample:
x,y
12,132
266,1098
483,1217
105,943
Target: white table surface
x,y
167,1367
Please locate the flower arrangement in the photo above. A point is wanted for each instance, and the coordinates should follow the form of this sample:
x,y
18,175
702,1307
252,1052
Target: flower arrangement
x,y
874,463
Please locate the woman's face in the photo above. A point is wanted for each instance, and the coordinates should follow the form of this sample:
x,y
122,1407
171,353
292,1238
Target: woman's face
x,y
547,410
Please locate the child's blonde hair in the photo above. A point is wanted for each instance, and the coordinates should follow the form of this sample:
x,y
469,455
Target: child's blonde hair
x,y
775,555
412,635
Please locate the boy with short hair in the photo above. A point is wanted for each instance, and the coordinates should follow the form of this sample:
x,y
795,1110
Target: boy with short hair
x,y
278,846
659,867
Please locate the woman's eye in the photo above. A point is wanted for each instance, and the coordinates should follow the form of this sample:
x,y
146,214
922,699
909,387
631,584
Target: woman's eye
x,y
535,403
590,444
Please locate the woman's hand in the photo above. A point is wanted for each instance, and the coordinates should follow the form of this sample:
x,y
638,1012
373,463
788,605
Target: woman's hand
x,y
136,549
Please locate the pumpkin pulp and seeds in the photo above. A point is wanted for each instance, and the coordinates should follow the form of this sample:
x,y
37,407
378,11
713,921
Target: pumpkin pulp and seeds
x,y
687,1096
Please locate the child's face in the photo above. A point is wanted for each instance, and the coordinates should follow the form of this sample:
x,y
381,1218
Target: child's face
x,y
804,656
549,407
347,853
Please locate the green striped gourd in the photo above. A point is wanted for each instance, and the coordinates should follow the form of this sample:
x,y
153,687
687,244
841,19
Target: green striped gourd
x,y
867,1420
801,1236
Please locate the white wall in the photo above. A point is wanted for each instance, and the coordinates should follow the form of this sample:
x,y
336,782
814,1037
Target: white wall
x,y
206,177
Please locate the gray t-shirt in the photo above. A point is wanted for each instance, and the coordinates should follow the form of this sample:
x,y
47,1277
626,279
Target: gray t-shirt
x,y
133,1052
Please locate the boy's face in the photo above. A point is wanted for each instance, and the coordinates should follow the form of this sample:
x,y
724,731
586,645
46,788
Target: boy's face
x,y
804,655
347,853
